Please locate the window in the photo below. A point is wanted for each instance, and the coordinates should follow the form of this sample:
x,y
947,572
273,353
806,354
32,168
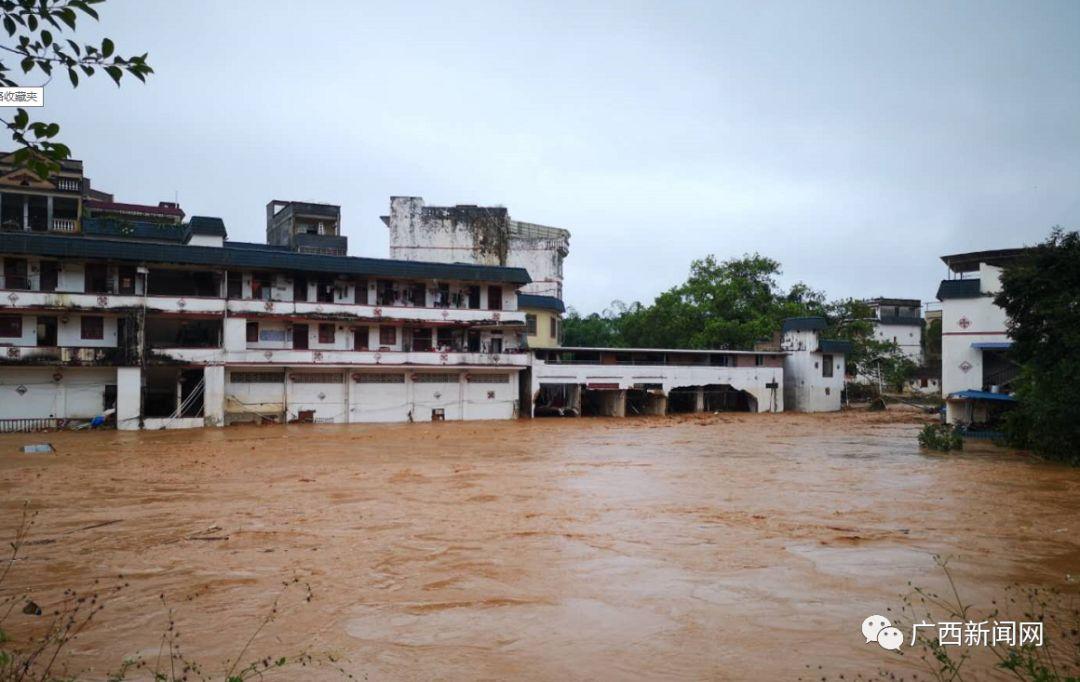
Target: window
x,y
257,377
360,338
530,325
50,275
252,332
234,285
377,378
326,333
10,326
96,278
360,292
15,275
125,280
435,377
759,360
826,366
474,297
387,336
554,327
316,378
495,298
93,327
418,295
488,378
262,286
421,339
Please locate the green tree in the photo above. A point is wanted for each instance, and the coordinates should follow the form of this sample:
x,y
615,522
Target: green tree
x,y
35,30
852,320
1041,295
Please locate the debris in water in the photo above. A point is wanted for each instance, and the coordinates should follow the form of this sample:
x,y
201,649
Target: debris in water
x,y
38,447
31,609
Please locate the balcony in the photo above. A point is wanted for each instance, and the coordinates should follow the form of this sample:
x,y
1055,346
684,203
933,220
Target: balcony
x,y
376,313
54,355
217,356
69,225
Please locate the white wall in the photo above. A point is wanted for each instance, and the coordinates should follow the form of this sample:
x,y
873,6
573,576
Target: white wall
x,y
806,389
78,394
128,397
965,321
753,380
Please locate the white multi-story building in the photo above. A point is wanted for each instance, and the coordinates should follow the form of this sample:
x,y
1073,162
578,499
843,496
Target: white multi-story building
x,y
486,235
899,320
976,374
813,367
173,325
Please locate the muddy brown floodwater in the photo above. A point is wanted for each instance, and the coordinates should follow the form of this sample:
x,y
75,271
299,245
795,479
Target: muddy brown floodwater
x,y
719,546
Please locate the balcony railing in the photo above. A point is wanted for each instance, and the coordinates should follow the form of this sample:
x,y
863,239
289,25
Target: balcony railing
x,y
65,225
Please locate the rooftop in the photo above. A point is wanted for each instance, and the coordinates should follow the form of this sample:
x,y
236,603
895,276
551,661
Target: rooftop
x,y
969,262
256,256
664,350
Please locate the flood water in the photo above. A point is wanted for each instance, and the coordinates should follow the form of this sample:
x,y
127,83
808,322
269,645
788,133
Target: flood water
x,y
716,546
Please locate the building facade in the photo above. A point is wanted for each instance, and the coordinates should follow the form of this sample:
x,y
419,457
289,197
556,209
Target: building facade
x,y
620,382
488,236
976,374
170,324
813,367
899,320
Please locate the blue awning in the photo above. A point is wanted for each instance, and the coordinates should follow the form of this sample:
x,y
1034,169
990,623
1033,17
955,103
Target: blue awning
x,y
992,345
981,395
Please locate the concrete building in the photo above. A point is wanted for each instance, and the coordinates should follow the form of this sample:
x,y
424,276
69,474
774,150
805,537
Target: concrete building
x,y
976,374
899,320
813,367
628,381
543,320
305,227
172,325
488,236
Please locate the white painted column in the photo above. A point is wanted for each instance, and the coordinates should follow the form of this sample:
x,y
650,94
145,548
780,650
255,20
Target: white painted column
x,y
128,397
214,395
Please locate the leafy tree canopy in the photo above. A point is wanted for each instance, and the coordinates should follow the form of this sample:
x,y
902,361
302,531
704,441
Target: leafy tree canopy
x,y
1041,296
36,32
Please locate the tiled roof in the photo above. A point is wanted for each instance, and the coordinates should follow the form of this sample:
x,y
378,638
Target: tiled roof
x,y
251,256
541,302
132,208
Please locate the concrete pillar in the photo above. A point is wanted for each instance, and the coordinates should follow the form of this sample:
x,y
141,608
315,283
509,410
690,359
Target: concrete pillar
x,y
48,213
214,395
656,404
25,212
619,404
699,400
128,398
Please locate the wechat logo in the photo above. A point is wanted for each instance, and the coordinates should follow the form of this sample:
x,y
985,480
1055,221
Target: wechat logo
x,y
879,629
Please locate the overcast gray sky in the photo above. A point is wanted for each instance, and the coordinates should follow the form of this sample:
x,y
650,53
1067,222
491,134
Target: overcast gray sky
x,y
855,142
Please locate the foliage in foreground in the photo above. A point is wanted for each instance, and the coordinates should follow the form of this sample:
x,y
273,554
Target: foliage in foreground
x,y
1057,660
42,656
940,437
35,30
1041,296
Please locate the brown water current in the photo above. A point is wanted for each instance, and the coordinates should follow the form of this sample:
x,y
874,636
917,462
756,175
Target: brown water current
x,y
700,547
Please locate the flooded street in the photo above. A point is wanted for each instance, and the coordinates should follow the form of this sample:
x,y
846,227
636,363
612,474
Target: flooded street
x,y
718,546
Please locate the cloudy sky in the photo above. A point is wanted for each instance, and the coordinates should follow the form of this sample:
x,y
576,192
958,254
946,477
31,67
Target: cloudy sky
x,y
855,142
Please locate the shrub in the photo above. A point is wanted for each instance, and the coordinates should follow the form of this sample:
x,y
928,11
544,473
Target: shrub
x,y
941,437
